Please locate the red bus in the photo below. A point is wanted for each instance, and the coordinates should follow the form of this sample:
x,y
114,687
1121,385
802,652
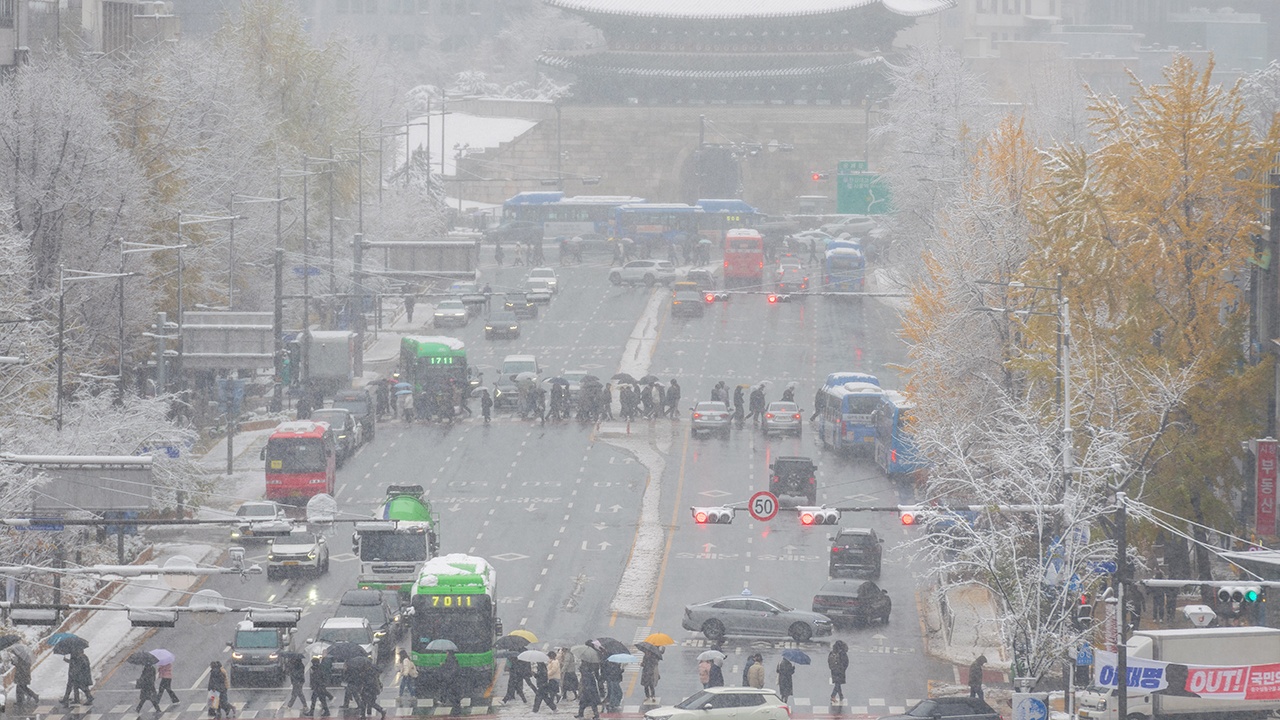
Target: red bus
x,y
743,258
301,456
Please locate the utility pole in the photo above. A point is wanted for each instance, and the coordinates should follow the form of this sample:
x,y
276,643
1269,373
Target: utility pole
x,y
1122,621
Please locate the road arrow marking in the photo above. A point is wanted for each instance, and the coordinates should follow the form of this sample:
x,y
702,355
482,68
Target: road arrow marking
x,y
599,526
878,638
706,548
603,546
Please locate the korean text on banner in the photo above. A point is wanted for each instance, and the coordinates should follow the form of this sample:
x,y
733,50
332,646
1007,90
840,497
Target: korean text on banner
x,y
1265,507
1222,682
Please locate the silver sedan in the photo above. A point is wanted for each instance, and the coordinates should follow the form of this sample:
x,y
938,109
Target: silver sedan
x,y
782,417
753,616
709,417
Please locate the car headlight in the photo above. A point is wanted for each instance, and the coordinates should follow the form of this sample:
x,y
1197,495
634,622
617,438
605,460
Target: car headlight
x,y
273,656
311,555
488,327
379,635
237,656
271,557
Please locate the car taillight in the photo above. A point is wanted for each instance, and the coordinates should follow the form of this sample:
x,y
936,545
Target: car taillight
x,y
796,416
768,415
788,709
726,262
893,456
761,264
812,480
697,416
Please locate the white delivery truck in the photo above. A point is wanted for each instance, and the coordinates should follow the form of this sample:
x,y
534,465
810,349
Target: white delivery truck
x,y
1224,646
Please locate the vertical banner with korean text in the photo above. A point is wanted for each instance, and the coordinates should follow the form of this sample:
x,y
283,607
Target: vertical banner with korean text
x,y
1265,503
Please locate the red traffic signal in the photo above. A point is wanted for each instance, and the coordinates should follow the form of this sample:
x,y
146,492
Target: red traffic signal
x,y
819,176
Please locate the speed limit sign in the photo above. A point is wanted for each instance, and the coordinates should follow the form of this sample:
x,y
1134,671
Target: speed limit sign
x,y
763,505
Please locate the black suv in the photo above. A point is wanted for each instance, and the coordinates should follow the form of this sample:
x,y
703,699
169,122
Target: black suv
x,y
255,653
520,304
381,608
362,407
794,475
855,552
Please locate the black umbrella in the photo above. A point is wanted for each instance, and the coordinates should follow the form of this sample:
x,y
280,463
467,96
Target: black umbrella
x,y
559,381
344,651
649,648
68,645
511,642
358,662
589,381
647,379
142,658
624,378
612,647
8,640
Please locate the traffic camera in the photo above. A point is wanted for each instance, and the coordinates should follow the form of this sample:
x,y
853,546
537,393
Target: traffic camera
x,y
713,515
712,297
818,515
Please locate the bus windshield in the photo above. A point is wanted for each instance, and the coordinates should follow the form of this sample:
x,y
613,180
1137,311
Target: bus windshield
x,y
392,547
743,245
470,630
844,263
861,404
295,455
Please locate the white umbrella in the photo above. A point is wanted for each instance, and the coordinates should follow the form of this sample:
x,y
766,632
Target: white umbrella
x,y
534,656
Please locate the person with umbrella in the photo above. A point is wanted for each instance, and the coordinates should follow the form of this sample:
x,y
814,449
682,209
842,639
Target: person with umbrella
x,y
649,675
146,683
542,688
611,673
517,672
589,693
757,403
79,676
22,674
786,669
319,687
739,405
368,685
716,674
450,669
219,704
164,671
297,672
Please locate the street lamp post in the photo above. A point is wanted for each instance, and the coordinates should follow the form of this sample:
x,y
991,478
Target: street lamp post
x,y
277,324
134,248
63,279
192,220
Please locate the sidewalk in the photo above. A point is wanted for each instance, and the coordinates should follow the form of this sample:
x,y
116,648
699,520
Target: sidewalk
x,y
110,633
959,626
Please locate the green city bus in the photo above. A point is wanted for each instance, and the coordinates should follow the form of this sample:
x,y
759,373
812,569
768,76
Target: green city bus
x,y
429,361
455,599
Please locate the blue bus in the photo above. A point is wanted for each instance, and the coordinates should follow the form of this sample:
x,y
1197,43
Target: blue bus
x,y
844,269
653,222
586,216
719,216
895,450
847,419
847,376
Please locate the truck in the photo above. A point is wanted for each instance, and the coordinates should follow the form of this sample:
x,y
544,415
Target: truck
x,y
393,546
333,359
1230,648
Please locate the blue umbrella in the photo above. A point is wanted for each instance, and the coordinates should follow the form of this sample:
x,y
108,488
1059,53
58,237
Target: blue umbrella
x,y
796,656
56,638
623,658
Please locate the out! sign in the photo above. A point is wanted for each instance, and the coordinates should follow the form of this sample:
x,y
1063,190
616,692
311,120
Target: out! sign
x,y
1265,506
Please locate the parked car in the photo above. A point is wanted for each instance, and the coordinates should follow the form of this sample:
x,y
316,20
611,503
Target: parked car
x,y
298,552
750,615
548,274
725,703
255,653
450,312
381,608
520,304
355,630
502,323
709,417
782,417
361,404
260,520
951,708
853,601
347,433
648,272
794,475
687,303
855,552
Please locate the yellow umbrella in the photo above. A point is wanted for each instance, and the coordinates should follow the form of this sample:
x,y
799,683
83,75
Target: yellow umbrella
x,y
660,639
524,634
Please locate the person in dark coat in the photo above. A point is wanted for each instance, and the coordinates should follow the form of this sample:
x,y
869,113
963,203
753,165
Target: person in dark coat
x,y
147,688
486,405
589,693
716,675
22,680
303,406
649,674
542,688
517,671
409,302
785,672
368,685
79,678
673,399
319,687
819,402
838,663
756,404
297,681
975,677
450,679
218,684
739,405
612,676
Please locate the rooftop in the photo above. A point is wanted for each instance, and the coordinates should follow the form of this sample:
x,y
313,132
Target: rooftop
x,y
744,9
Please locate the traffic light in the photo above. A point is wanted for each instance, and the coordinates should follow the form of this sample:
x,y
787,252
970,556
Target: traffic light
x,y
714,515
775,298
909,514
148,617
1083,618
818,515
1239,593
818,176
716,297
274,618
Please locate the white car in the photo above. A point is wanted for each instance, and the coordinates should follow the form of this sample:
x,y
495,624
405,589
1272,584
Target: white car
x,y
298,552
725,703
538,291
355,630
548,274
644,271
260,521
450,312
